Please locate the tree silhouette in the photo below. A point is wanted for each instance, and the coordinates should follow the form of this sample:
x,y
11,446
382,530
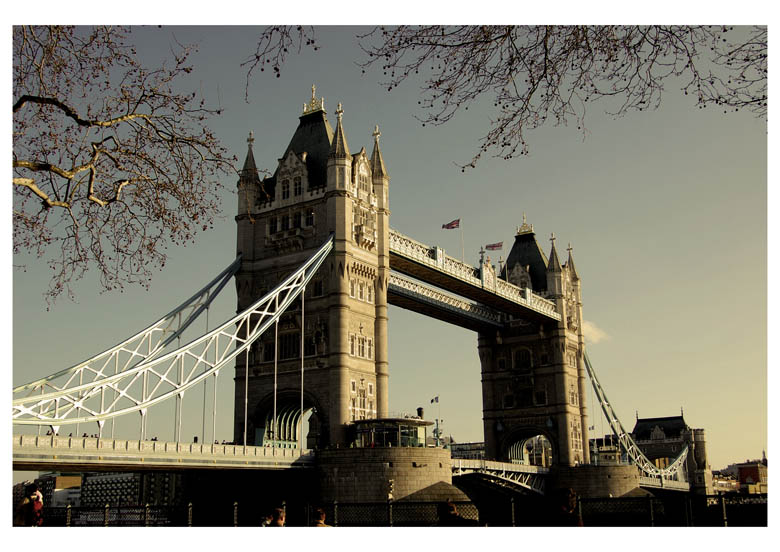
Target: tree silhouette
x,y
112,163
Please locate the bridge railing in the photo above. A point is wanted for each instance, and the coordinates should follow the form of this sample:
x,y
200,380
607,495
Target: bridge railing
x,y
435,257
444,300
130,447
663,483
480,464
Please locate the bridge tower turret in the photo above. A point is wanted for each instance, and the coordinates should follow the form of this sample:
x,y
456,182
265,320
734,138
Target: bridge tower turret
x,y
318,189
533,371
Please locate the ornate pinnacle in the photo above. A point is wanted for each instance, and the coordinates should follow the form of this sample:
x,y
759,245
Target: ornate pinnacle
x,y
525,228
552,238
251,138
339,112
376,134
314,104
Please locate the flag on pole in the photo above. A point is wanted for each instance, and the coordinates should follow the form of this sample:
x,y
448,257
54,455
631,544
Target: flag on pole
x,y
450,225
495,246
435,399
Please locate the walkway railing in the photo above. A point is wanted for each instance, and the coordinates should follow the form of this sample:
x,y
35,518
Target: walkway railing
x,y
33,450
435,258
442,300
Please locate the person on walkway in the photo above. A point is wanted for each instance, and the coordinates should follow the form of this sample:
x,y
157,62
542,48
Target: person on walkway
x,y
319,518
265,520
565,511
29,512
277,517
449,517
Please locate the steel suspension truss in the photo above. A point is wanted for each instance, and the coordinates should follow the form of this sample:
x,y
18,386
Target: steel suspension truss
x,y
150,379
675,471
144,345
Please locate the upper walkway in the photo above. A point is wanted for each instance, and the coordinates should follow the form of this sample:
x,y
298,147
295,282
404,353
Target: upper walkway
x,y
431,265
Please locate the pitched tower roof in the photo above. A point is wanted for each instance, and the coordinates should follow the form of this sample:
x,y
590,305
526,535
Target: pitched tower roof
x,y
313,136
527,253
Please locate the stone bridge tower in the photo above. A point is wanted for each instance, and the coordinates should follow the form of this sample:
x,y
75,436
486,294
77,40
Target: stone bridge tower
x,y
533,373
318,188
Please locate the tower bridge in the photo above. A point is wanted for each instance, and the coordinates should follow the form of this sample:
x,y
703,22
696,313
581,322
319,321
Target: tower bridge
x,y
317,265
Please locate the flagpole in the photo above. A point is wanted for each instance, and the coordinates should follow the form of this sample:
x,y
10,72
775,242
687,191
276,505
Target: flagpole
x,y
462,250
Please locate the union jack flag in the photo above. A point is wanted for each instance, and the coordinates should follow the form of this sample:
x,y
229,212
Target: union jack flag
x,y
450,225
495,246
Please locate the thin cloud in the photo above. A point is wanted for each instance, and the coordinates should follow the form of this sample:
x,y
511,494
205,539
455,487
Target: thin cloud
x,y
593,333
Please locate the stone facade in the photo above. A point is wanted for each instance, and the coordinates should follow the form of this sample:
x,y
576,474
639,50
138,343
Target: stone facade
x,y
319,189
363,474
596,481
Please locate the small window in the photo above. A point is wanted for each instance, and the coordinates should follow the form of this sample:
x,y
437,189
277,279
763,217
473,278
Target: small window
x,y
370,294
297,220
370,389
353,388
318,289
352,345
360,291
502,364
309,348
352,288
370,348
541,397
297,185
522,360
285,189
285,223
272,225
310,218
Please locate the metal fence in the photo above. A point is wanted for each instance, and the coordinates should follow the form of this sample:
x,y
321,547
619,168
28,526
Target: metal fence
x,y
679,511
675,511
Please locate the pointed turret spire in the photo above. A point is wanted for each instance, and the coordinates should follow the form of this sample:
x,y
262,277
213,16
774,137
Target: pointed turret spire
x,y
249,162
554,265
339,148
377,162
570,265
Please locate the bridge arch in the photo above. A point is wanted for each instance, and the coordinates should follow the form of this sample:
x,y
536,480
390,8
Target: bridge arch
x,y
530,445
288,418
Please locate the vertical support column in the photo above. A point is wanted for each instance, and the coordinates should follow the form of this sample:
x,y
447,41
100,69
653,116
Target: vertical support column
x,y
339,361
380,341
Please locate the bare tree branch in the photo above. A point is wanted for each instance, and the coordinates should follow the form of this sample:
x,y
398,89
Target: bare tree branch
x,y
112,163
548,74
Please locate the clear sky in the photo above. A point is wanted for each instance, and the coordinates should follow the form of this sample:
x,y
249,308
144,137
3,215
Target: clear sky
x,y
666,212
